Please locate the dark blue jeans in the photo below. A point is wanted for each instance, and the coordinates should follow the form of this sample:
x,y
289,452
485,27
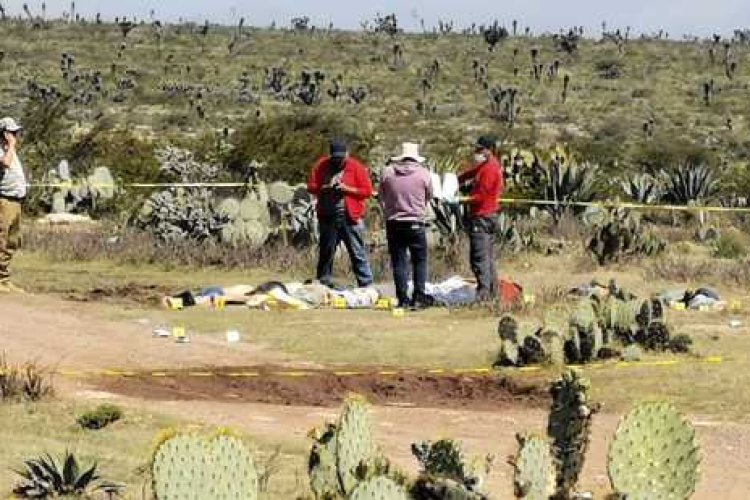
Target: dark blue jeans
x,y
332,233
408,237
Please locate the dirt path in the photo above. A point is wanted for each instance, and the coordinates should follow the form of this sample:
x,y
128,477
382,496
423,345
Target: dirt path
x,y
75,336
725,473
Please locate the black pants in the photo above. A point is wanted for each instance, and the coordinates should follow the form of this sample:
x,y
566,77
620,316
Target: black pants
x,y
482,256
411,237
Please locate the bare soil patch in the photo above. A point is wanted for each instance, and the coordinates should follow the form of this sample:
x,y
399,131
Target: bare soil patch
x,y
130,293
327,389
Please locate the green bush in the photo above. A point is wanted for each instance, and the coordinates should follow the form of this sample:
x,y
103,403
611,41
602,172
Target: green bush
x,y
290,143
100,417
730,245
129,157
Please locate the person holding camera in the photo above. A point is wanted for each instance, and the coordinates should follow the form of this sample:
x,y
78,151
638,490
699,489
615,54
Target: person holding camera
x,y
342,186
485,175
12,193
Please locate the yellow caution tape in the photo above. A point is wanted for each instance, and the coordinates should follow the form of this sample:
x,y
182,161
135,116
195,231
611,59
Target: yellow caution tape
x,y
510,201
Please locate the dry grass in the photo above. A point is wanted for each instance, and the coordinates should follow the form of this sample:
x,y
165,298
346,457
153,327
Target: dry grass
x,y
122,450
27,382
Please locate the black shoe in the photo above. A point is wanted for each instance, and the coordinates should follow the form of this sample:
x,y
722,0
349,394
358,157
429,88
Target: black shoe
x,y
405,304
424,302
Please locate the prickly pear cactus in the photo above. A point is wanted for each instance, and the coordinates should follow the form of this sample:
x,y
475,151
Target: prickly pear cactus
x,y
534,465
101,184
444,489
589,344
569,426
554,347
280,193
355,446
181,468
324,480
572,347
654,337
252,209
379,488
531,350
234,472
188,466
654,454
507,329
508,354
230,208
583,316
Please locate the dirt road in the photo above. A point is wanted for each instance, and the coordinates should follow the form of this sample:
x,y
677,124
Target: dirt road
x,y
76,336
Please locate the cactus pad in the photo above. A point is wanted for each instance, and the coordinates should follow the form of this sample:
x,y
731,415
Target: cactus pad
x,y
324,481
554,347
508,354
189,466
507,329
569,426
654,454
531,350
280,193
252,209
229,207
583,316
379,488
355,447
534,477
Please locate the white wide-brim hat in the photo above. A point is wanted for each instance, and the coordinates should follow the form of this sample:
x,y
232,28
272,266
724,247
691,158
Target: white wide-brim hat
x,y
409,150
9,124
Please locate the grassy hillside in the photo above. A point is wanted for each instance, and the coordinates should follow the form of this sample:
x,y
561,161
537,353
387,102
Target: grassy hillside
x,y
173,83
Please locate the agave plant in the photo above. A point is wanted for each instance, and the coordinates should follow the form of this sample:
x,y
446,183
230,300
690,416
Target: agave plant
x,y
449,220
44,477
690,183
566,182
641,188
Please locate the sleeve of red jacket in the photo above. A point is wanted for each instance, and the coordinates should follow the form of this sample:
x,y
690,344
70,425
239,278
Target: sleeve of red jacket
x,y
315,184
364,184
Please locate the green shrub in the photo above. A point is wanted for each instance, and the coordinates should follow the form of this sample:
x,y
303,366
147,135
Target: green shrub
x,y
730,245
100,417
290,143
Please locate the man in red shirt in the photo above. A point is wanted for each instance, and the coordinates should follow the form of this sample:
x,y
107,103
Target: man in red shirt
x,y
486,178
342,185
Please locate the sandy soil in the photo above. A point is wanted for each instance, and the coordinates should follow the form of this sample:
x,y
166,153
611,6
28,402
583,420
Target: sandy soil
x,y
74,336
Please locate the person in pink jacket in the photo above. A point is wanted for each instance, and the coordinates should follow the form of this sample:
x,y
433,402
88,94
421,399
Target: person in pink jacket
x,y
405,191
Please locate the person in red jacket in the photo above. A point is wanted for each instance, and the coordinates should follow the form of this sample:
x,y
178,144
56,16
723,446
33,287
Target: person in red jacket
x,y
342,186
486,178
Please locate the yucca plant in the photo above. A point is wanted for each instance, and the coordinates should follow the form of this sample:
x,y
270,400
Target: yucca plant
x,y
44,477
